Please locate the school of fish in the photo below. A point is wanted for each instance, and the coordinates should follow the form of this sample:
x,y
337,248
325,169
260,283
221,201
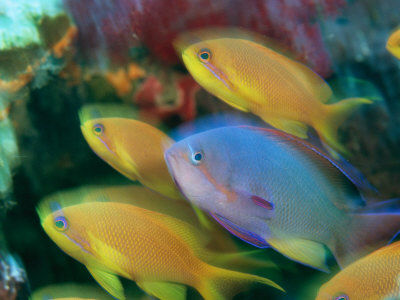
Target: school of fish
x,y
268,187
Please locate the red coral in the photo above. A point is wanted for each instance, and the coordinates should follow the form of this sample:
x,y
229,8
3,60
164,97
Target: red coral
x,y
152,94
156,23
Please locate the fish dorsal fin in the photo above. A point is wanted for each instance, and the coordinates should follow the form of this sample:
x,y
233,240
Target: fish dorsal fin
x,y
344,176
164,290
310,80
303,251
109,282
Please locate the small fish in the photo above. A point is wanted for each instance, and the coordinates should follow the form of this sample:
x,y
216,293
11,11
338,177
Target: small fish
x,y
159,252
273,189
374,277
393,43
133,148
253,78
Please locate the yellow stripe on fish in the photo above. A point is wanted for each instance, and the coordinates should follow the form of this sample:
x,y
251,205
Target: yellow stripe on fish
x,y
257,79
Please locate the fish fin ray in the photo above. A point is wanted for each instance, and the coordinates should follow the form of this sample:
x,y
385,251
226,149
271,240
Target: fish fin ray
x,y
310,80
241,233
109,282
164,290
327,125
307,252
103,252
369,232
220,284
292,127
197,239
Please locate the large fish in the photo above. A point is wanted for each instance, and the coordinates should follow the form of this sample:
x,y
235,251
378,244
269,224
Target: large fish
x,y
253,78
374,277
159,252
273,189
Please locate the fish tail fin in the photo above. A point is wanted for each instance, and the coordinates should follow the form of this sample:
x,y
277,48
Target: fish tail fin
x,y
337,113
370,231
220,284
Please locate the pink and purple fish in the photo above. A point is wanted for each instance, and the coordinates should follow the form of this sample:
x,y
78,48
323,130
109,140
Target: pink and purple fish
x,y
272,189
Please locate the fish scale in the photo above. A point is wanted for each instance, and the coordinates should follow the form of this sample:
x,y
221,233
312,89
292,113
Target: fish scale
x,y
254,78
374,277
157,251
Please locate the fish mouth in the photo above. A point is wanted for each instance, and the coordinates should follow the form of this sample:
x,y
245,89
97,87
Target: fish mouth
x,y
170,160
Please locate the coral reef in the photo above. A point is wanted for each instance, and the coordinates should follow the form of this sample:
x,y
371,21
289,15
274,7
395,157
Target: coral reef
x,y
13,280
114,27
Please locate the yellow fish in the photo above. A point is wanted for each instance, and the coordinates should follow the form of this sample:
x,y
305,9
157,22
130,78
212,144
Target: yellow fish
x,y
219,239
393,43
161,253
133,148
253,78
374,277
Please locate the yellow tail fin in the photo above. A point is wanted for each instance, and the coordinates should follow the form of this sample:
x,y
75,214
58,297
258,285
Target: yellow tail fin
x,y
337,114
221,284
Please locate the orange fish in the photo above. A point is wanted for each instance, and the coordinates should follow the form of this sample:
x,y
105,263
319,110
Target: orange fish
x,y
253,78
133,148
374,277
393,43
161,253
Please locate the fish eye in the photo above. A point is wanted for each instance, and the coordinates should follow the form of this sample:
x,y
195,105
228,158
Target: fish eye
x,y
197,157
341,297
204,55
61,223
98,129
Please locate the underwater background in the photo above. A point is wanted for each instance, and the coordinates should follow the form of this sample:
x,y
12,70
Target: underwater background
x,y
57,56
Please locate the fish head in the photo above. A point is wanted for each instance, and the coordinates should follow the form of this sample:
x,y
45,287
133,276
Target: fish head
x,y
211,64
64,226
200,168
107,138
342,287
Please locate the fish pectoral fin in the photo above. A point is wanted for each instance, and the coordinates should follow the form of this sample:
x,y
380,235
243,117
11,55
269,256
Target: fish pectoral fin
x,y
109,282
102,252
304,251
164,290
243,234
289,126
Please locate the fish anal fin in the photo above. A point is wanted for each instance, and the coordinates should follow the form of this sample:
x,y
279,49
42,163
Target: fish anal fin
x,y
241,233
289,126
304,251
109,282
163,290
